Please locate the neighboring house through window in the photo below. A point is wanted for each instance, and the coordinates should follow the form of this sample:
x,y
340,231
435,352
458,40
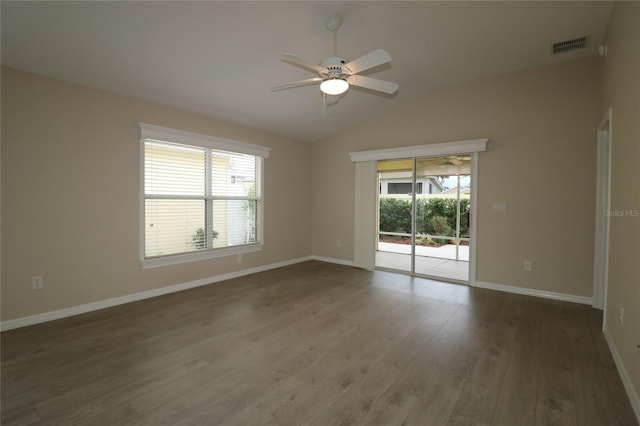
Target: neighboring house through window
x,y
391,184
202,196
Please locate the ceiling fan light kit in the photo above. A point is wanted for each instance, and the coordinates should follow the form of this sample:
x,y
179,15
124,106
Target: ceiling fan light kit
x,y
334,86
336,74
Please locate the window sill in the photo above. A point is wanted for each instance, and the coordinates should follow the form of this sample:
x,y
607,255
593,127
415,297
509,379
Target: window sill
x,y
157,262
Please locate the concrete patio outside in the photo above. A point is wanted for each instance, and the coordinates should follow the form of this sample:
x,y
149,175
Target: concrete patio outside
x,y
431,261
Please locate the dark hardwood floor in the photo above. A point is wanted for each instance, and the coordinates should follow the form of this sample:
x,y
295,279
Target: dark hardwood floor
x,y
318,344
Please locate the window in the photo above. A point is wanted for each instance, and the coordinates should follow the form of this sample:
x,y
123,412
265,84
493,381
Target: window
x,y
202,196
403,188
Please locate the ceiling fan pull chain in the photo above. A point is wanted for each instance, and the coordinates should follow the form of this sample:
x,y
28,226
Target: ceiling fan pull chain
x,y
324,104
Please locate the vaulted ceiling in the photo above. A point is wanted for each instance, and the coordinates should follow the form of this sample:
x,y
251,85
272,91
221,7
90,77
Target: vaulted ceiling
x,y
221,58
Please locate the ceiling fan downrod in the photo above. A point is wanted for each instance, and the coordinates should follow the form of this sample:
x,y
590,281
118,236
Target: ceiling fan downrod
x,y
333,23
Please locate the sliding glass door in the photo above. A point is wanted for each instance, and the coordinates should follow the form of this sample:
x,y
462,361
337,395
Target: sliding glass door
x,y
395,212
423,221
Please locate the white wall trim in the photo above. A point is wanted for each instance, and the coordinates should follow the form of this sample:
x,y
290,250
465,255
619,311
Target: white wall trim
x,y
199,255
333,260
366,195
428,150
603,202
108,303
624,375
150,131
534,292
473,237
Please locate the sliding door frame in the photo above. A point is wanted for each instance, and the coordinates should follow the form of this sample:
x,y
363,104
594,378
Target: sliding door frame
x,y
366,193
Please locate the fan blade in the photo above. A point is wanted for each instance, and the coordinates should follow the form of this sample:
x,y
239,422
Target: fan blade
x,y
288,57
373,59
296,84
373,84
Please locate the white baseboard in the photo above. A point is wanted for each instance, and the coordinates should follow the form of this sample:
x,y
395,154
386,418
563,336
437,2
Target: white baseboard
x,y
108,303
624,375
102,304
537,293
332,260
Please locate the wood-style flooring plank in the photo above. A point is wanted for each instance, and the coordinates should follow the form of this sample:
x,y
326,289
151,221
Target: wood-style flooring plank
x,y
555,401
608,372
592,396
517,401
349,360
477,402
317,344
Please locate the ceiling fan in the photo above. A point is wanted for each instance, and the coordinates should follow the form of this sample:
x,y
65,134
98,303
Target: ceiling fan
x,y
336,74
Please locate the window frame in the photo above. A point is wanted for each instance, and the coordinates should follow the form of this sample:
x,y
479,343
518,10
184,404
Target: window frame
x,y
153,132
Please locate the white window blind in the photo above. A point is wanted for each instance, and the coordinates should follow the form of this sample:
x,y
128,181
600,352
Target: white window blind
x,y
199,200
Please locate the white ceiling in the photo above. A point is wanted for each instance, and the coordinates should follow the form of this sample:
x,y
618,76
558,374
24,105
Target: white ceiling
x,y
221,58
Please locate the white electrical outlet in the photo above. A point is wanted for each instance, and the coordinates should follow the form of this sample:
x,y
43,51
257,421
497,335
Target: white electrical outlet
x,y
338,243
621,316
528,265
37,282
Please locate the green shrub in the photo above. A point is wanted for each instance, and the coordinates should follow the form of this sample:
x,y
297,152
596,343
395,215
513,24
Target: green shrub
x,y
199,241
395,216
438,225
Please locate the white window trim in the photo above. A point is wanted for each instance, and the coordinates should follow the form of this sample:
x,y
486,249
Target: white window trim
x,y
366,190
429,150
201,255
149,131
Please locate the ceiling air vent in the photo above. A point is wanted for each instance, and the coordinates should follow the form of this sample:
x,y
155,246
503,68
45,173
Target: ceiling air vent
x,y
567,45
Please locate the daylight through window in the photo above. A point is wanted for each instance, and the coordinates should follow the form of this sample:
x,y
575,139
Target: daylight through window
x,y
200,200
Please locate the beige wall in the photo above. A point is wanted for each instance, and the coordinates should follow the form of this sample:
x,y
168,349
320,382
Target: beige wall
x,y
621,92
70,176
70,195
70,169
541,161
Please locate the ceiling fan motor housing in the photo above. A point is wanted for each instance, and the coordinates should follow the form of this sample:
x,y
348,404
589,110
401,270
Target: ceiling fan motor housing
x,y
334,65
333,61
